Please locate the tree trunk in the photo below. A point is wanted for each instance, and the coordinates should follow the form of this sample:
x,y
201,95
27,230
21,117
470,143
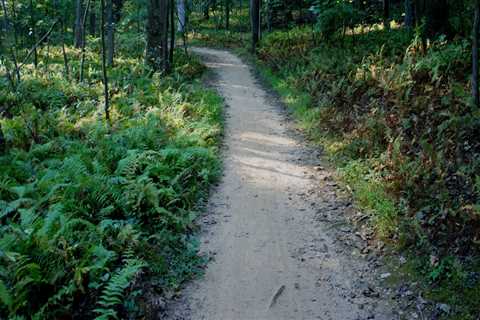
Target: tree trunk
x,y
165,26
255,23
104,63
172,32
156,34
92,24
386,14
12,51
110,33
2,141
227,14
84,40
181,12
60,15
436,14
409,14
78,24
206,10
475,68
4,32
33,23
64,52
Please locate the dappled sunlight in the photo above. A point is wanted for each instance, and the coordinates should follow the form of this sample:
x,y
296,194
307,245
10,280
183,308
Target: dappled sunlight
x,y
263,160
268,173
271,140
220,65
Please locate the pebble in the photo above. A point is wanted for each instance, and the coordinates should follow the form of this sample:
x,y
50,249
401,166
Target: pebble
x,y
385,275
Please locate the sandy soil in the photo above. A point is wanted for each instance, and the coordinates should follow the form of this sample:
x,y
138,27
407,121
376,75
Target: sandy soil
x,y
273,256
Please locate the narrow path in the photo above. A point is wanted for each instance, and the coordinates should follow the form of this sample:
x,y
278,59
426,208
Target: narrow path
x,y
272,257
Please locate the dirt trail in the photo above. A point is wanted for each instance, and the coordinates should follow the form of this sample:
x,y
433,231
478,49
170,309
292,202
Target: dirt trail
x,y
273,257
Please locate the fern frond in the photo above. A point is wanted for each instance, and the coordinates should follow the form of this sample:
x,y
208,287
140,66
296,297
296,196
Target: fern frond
x,y
113,292
5,295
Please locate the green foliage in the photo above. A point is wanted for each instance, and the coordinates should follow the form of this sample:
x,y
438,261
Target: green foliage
x,y
112,294
86,206
335,15
399,123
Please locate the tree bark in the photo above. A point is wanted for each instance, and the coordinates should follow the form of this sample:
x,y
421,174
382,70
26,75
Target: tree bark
x,y
92,25
181,12
78,24
172,32
84,41
104,63
386,14
227,14
156,34
206,10
110,33
12,51
255,23
409,14
475,68
33,23
2,140
165,26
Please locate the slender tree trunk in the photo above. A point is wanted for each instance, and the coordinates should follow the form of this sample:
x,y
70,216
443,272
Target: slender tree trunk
x,y
172,32
84,40
227,14
44,38
104,63
12,51
165,51
386,14
78,24
2,141
92,25
33,23
64,52
475,68
206,10
269,15
181,13
409,14
110,33
255,23
61,19
4,33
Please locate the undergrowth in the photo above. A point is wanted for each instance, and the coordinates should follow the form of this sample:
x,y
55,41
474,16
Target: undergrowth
x,y
398,123
90,211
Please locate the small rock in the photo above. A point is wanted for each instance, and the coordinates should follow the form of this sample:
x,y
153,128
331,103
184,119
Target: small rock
x,y
380,245
445,308
386,275
324,248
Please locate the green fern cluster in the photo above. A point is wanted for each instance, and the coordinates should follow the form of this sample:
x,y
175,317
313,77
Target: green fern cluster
x,y
88,210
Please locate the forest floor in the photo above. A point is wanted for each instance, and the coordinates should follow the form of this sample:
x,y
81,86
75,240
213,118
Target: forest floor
x,y
277,225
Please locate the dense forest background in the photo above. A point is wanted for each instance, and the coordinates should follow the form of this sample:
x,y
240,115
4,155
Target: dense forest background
x,y
108,140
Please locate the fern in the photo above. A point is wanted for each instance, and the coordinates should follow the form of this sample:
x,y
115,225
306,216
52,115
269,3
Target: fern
x,y
5,295
113,292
